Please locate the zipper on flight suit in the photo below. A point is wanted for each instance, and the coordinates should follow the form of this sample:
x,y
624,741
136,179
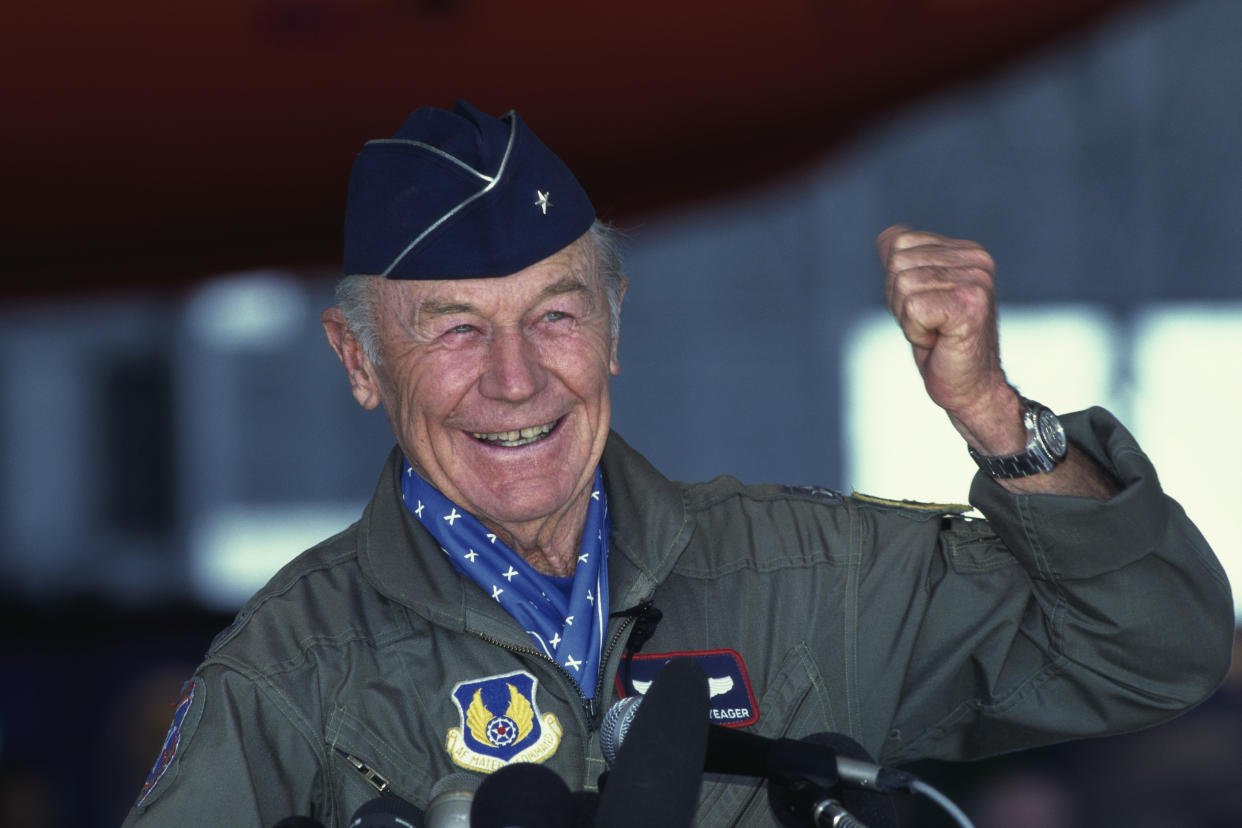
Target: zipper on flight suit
x,y
590,707
378,782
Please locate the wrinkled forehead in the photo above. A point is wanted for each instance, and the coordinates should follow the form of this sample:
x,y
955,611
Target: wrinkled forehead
x,y
571,270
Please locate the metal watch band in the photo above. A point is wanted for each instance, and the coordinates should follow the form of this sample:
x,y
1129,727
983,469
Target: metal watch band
x,y
1039,458
1014,465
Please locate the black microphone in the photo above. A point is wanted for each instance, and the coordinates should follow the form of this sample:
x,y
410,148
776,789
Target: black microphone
x,y
656,774
741,753
386,812
522,795
584,806
451,798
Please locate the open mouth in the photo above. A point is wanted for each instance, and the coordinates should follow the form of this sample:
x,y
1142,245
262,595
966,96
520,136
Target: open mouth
x,y
518,437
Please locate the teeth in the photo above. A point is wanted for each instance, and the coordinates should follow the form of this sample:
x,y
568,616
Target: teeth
x,y
519,437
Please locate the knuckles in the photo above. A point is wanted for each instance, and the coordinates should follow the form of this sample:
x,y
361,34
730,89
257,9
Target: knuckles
x,y
903,247
973,259
976,282
932,277
968,304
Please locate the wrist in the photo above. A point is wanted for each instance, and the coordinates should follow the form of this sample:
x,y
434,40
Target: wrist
x,y
1044,446
994,426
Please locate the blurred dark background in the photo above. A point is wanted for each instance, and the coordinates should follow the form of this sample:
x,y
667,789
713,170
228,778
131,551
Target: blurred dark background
x,y
173,426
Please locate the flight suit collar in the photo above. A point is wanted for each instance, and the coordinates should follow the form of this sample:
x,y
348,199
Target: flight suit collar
x,y
400,559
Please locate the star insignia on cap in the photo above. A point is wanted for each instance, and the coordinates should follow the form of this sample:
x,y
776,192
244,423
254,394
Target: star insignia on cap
x,y
542,201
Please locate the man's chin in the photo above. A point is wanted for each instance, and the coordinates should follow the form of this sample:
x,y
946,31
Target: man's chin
x,y
514,512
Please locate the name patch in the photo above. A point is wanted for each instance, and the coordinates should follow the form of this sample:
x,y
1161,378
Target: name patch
x,y
731,701
500,723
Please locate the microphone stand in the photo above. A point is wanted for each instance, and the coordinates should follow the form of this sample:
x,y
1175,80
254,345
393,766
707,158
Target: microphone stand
x,y
799,800
800,785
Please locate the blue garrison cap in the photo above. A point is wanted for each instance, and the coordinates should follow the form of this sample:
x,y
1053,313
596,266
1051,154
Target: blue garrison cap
x,y
458,194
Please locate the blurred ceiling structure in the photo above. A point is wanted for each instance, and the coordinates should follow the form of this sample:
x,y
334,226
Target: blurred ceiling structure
x,y
149,144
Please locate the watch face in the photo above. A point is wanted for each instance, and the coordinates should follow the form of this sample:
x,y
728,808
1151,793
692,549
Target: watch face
x,y
1053,432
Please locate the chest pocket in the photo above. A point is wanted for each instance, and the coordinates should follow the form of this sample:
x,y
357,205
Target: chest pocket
x,y
363,764
795,704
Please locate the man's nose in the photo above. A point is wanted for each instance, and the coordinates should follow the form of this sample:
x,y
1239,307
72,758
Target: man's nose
x,y
514,370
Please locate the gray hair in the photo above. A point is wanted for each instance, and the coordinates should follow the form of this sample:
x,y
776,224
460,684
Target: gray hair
x,y
358,295
608,265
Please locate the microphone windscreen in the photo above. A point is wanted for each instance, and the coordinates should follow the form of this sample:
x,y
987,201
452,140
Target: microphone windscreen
x,y
583,807
387,812
451,798
658,770
522,795
615,727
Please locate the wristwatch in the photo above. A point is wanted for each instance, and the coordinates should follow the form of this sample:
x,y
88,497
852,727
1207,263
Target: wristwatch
x,y
1045,446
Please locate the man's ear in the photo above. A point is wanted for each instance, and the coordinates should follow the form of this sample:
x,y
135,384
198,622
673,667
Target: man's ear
x,y
358,367
614,365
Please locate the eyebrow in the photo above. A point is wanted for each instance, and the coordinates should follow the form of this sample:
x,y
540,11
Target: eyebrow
x,y
443,307
436,306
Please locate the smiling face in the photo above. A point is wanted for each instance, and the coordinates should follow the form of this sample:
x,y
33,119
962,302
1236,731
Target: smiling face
x,y
497,389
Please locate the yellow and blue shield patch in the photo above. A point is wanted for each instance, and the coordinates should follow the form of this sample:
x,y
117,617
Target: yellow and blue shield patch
x,y
500,723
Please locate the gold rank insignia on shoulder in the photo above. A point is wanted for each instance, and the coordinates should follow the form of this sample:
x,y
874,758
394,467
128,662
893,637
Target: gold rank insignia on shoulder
x,y
911,505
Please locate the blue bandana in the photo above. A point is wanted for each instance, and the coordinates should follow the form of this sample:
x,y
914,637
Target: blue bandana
x,y
568,630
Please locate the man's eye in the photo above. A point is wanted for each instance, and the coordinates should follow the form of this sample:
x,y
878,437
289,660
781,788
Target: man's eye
x,y
555,316
461,329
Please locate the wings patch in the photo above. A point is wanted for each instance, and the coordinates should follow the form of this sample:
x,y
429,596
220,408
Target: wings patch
x,y
500,723
731,700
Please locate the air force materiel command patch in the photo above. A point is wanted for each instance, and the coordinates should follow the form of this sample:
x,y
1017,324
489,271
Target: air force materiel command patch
x,y
731,700
501,723
172,741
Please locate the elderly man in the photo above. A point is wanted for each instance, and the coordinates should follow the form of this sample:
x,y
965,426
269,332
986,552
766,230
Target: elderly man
x,y
520,567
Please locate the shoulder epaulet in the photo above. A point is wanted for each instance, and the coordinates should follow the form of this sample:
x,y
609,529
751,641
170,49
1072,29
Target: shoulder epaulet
x,y
816,493
228,632
911,505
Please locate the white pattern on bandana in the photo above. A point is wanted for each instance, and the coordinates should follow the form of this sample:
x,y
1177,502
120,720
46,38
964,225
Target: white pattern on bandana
x,y
530,597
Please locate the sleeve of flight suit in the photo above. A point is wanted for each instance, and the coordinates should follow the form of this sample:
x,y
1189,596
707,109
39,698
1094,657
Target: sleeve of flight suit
x,y
1058,617
232,758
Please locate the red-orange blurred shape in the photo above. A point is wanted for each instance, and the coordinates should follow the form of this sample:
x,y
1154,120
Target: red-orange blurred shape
x,y
151,142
